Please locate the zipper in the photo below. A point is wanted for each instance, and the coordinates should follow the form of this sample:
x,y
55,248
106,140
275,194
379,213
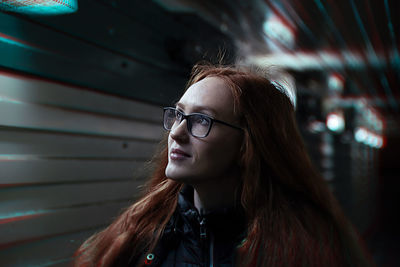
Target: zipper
x,y
203,237
203,230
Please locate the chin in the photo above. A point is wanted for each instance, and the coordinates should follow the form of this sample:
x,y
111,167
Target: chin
x,y
174,174
180,176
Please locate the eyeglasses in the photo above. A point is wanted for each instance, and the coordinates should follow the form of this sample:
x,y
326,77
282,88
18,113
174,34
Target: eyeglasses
x,y
198,125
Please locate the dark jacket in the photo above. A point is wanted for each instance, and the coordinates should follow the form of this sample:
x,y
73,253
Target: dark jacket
x,y
194,240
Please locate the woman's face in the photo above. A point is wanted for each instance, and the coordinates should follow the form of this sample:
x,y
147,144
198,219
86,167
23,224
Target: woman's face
x,y
194,160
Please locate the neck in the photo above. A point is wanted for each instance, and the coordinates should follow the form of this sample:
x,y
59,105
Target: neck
x,y
216,195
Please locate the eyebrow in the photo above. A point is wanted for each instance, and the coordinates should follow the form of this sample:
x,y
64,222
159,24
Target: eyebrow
x,y
198,108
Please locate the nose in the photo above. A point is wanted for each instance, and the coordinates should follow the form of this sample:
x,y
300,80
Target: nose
x,y
179,131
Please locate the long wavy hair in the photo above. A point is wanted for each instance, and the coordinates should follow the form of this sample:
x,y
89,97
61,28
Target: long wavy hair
x,y
293,218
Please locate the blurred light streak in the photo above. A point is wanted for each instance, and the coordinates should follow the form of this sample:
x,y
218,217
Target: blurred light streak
x,y
378,42
396,64
331,23
315,60
360,103
370,49
372,57
351,60
348,60
273,41
14,41
364,106
373,26
299,21
9,100
388,91
366,82
15,157
280,13
275,28
40,7
275,45
20,216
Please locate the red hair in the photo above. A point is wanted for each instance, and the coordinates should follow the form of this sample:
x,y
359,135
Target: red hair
x,y
293,218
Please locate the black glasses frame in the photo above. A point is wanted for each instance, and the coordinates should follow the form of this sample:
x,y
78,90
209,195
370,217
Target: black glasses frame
x,y
189,124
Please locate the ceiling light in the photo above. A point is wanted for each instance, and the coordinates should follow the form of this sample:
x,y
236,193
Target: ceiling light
x,y
335,121
40,7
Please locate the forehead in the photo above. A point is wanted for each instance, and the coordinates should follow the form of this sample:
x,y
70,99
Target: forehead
x,y
210,94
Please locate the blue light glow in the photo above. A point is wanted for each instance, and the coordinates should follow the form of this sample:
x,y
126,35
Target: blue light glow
x,y
360,135
335,122
40,7
368,138
12,42
22,214
276,29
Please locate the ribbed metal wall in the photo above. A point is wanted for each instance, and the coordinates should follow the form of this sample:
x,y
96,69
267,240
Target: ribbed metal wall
x,y
70,159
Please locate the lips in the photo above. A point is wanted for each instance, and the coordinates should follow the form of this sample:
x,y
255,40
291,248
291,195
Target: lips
x,y
177,154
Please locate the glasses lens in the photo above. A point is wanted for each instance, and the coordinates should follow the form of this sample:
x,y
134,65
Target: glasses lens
x,y
169,118
200,125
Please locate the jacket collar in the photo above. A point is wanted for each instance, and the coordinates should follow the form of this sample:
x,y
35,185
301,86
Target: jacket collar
x,y
226,221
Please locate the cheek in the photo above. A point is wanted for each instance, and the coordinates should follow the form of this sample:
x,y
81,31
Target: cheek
x,y
219,154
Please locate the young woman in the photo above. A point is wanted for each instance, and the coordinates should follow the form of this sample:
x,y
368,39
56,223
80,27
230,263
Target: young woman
x,y
233,186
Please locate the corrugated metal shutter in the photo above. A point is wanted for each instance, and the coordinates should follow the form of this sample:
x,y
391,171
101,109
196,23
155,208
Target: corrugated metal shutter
x,y
70,159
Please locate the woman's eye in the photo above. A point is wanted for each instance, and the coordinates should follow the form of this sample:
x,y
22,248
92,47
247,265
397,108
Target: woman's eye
x,y
202,120
178,115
